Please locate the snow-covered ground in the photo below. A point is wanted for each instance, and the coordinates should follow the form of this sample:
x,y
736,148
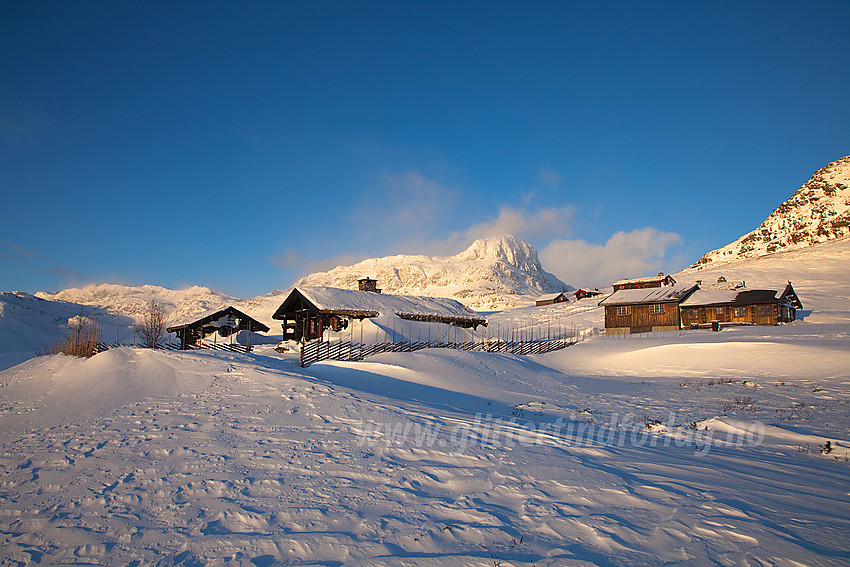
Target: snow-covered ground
x,y
691,448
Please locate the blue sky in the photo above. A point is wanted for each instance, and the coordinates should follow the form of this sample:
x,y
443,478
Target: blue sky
x,y
242,145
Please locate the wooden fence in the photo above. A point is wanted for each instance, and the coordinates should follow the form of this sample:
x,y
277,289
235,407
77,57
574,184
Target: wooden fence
x,y
317,351
203,345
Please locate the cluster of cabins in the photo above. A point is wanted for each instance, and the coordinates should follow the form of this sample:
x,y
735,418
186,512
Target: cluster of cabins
x,y
636,306
308,312
661,304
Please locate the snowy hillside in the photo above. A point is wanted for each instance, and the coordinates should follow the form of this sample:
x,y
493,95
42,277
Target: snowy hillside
x,y
820,274
819,211
181,304
35,322
29,323
491,274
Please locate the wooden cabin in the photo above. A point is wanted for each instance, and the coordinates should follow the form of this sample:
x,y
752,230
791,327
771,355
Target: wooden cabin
x,y
582,293
730,306
551,299
225,323
644,310
307,312
740,306
642,283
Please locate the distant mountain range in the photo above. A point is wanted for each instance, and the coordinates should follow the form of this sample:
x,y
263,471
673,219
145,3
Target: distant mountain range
x,y
132,301
819,211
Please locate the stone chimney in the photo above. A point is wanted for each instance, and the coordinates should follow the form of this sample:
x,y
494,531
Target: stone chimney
x,y
368,284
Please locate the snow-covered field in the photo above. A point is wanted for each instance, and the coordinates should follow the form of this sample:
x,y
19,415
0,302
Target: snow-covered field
x,y
691,448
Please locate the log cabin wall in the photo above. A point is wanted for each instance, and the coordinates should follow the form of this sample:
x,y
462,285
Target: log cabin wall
x,y
757,314
641,318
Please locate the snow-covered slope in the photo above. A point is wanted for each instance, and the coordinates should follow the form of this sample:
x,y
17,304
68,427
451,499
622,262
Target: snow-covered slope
x,y
819,211
29,323
702,449
36,322
492,273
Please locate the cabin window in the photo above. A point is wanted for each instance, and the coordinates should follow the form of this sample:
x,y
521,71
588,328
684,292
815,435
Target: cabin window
x,y
691,314
719,310
656,308
740,312
624,310
764,310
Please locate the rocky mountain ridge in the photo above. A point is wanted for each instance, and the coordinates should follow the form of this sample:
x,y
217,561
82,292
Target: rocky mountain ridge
x,y
819,211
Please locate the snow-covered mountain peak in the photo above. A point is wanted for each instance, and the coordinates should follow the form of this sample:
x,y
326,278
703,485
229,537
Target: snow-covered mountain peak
x,y
819,211
492,273
507,248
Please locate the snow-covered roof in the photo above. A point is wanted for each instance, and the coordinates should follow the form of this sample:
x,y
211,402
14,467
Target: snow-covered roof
x,y
647,279
371,304
710,297
550,296
740,296
649,295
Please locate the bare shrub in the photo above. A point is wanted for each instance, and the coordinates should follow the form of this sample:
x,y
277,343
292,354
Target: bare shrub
x,y
740,403
152,329
82,340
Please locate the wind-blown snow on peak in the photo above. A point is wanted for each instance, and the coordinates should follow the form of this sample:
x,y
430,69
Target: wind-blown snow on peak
x,y
507,248
493,273
817,212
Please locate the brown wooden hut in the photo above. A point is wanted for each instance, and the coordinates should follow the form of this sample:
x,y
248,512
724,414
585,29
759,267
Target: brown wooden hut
x,y
645,310
307,312
226,322
582,293
740,306
550,299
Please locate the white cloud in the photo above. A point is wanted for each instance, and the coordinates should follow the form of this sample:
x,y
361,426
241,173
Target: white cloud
x,y
626,254
523,223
